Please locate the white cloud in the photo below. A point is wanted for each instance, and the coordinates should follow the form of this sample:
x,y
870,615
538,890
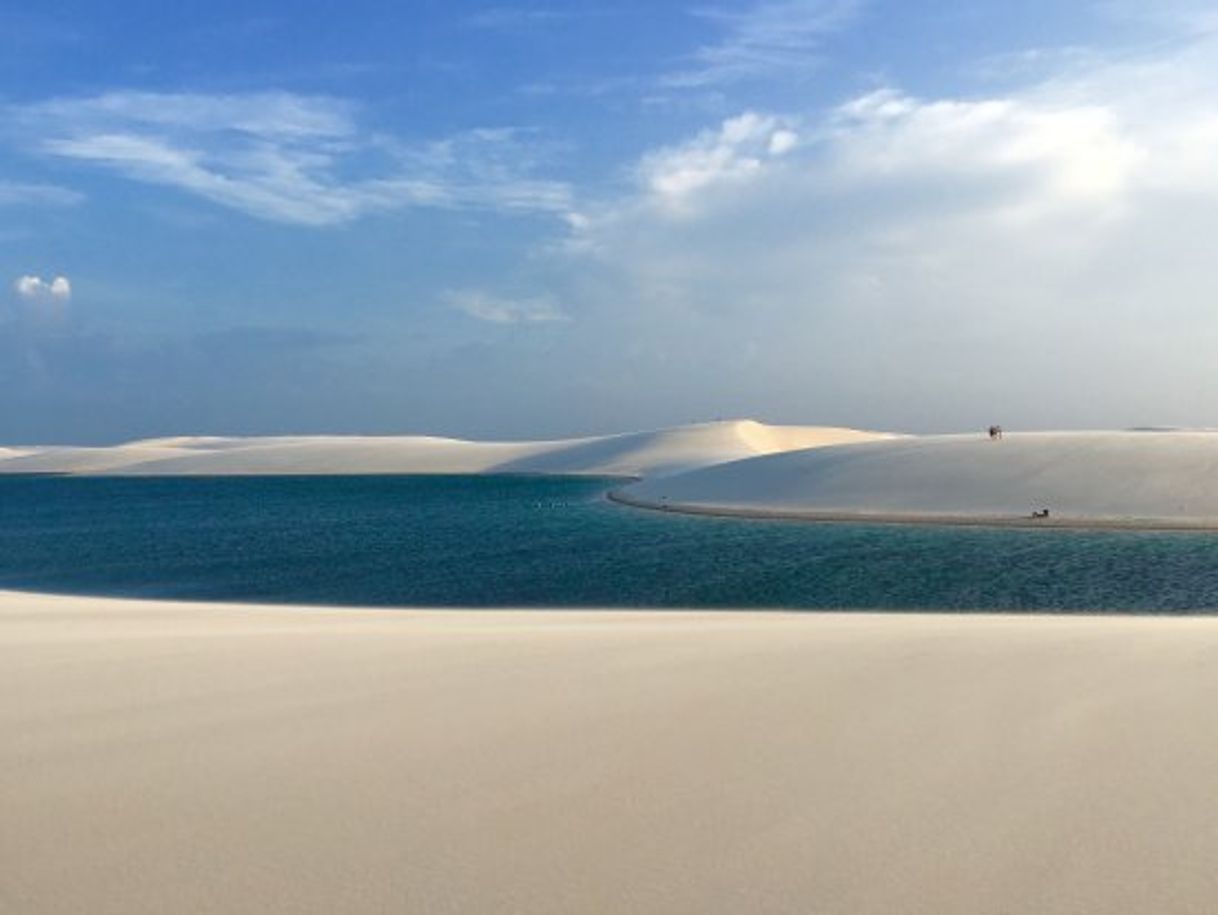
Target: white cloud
x,y
1034,152
1029,248
287,158
35,289
1047,153
734,151
782,142
498,310
773,38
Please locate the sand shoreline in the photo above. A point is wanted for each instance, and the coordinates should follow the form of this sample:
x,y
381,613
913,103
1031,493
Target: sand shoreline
x,y
923,519
165,756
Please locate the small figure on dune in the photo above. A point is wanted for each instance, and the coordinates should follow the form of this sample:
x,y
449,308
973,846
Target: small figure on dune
x,y
1043,513
995,433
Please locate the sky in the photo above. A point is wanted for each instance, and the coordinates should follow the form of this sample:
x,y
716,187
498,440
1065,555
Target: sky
x,y
538,220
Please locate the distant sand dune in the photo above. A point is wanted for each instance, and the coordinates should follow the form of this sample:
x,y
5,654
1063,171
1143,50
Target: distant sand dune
x,y
1151,478
631,454
1156,479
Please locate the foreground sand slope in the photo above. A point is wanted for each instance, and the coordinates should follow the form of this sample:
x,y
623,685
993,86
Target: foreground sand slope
x,y
1160,477
632,454
214,759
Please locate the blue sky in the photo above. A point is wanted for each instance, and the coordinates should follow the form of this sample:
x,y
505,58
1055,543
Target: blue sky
x,y
546,219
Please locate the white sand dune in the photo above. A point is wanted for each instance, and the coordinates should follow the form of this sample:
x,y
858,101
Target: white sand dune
x,y
55,459
162,757
1151,478
632,454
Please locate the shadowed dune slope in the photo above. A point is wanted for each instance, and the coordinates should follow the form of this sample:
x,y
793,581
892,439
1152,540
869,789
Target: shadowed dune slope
x,y
1107,477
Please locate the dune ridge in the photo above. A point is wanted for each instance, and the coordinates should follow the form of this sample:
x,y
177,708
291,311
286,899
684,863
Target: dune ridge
x,y
631,454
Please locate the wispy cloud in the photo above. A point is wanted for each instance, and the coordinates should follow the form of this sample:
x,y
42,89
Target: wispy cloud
x,y
775,37
263,115
16,194
287,158
488,167
499,310
1034,64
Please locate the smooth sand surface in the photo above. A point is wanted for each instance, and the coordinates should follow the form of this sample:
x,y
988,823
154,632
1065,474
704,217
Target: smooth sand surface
x,y
163,757
633,454
1136,479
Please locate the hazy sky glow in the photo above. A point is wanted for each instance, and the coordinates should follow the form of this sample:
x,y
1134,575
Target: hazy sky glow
x,y
548,219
